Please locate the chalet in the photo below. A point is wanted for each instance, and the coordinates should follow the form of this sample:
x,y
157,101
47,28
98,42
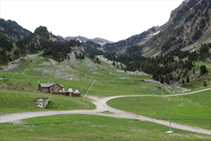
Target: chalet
x,y
50,87
58,89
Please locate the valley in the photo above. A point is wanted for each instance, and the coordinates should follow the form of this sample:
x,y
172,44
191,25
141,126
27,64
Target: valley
x,y
125,87
155,85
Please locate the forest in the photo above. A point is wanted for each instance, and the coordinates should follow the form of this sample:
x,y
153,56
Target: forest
x,y
5,46
166,68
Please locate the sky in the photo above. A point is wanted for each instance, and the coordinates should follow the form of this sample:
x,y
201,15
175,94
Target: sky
x,y
113,20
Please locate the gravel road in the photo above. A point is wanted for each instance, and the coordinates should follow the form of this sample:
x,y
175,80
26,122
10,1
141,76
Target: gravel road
x,y
101,107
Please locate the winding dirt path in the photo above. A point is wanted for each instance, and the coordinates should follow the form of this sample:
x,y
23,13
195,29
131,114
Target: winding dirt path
x,y
101,107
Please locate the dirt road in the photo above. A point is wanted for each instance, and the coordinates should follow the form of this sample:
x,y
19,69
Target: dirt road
x,y
101,107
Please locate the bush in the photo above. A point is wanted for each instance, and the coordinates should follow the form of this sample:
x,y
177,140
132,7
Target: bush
x,y
205,84
203,70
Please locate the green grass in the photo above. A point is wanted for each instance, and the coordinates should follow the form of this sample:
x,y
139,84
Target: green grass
x,y
179,25
205,37
87,127
191,110
90,127
149,54
106,85
13,101
196,80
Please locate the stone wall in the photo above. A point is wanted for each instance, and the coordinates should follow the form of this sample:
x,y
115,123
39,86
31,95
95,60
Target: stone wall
x,y
42,102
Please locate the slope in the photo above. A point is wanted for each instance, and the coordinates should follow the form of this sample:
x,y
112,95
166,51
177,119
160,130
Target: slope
x,y
187,28
13,30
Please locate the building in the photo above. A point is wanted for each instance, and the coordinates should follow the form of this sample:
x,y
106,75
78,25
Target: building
x,y
58,89
75,93
50,87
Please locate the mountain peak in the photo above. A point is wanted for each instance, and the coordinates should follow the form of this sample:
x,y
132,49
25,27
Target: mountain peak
x,y
97,40
41,29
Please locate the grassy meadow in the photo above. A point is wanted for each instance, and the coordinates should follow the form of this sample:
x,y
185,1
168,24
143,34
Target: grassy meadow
x,y
194,109
191,110
14,101
90,127
196,80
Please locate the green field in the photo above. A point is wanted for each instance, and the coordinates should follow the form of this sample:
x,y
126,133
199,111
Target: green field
x,y
14,101
191,110
22,100
194,109
88,127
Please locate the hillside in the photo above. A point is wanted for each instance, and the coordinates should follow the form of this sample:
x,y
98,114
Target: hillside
x,y
129,89
121,46
34,41
187,28
177,45
12,30
92,47
5,46
189,25
96,40
43,40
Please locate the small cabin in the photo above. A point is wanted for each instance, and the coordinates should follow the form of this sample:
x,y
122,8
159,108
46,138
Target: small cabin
x,y
49,87
58,89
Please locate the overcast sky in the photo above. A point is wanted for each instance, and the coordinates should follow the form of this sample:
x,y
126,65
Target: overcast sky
x,y
109,19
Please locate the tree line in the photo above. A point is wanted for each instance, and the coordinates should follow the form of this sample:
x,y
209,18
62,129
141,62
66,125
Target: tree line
x,y
165,68
5,46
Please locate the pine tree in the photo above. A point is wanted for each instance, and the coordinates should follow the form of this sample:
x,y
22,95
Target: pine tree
x,y
203,70
205,84
187,79
161,79
183,81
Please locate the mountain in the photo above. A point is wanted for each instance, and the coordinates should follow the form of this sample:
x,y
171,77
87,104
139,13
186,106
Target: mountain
x,y
12,30
100,41
180,47
80,38
61,39
97,40
34,42
121,46
188,27
43,40
92,47
5,45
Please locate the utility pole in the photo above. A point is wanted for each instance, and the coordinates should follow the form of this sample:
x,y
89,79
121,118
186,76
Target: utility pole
x,y
1,86
89,89
26,88
170,131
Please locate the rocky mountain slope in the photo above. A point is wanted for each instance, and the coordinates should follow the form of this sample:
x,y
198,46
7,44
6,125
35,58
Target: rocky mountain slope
x,y
35,41
122,45
97,40
12,30
188,26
